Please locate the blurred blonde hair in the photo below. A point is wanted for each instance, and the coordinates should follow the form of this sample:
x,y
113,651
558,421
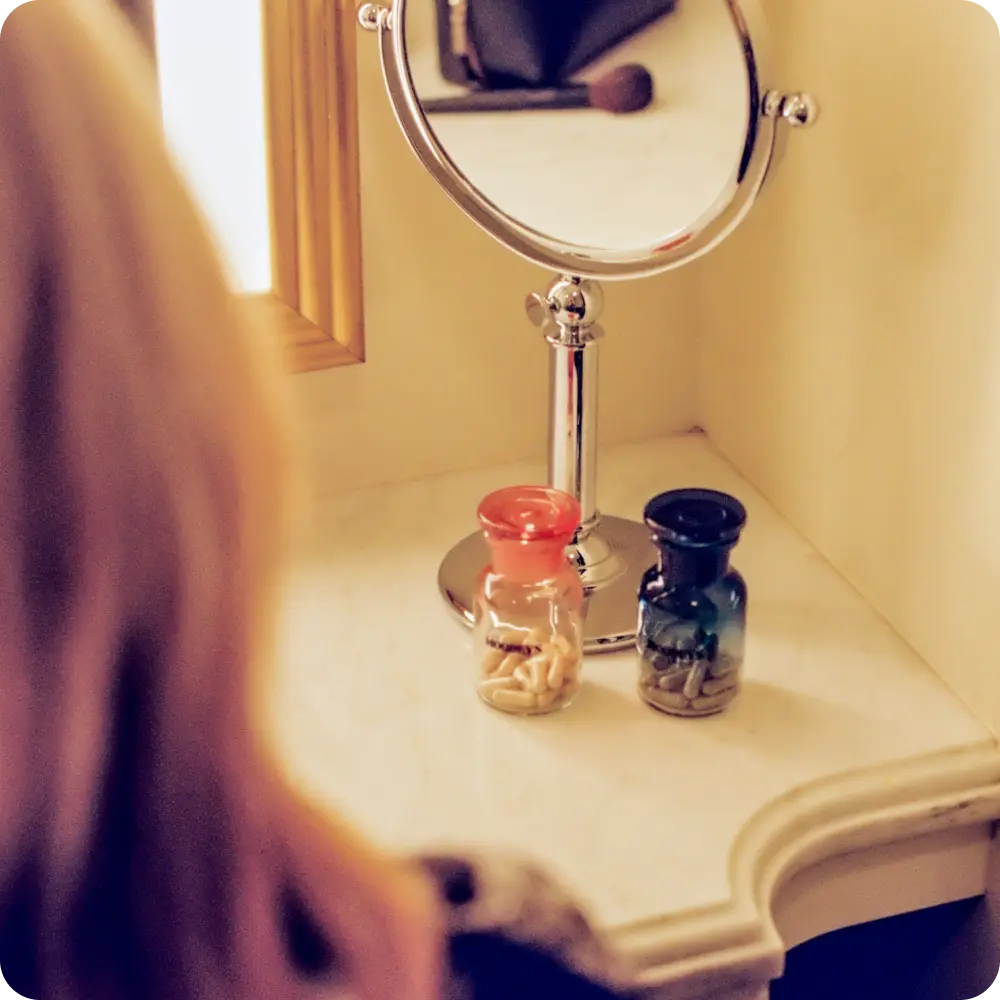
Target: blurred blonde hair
x,y
146,843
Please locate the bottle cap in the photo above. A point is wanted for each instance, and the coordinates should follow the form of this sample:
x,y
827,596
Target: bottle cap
x,y
529,513
695,519
528,529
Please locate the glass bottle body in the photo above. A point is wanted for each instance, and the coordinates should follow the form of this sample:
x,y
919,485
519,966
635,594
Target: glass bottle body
x,y
691,636
529,640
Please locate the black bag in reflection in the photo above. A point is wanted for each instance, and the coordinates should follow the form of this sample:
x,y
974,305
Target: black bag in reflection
x,y
495,44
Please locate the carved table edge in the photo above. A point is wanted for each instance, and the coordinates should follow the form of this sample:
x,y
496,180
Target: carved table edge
x,y
734,949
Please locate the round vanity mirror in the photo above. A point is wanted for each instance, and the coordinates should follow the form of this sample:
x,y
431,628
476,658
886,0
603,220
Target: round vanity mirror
x,y
602,139
654,155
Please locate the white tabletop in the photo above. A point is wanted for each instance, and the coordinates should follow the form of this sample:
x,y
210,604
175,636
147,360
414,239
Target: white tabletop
x,y
668,829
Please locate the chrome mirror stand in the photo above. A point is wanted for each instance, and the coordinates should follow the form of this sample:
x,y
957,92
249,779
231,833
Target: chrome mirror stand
x,y
611,553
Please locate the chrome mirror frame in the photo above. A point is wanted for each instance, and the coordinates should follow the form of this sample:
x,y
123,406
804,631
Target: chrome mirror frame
x,y
767,107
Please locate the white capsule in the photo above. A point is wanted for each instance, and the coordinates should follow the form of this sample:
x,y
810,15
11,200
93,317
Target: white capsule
x,y
538,671
673,681
513,699
508,665
720,686
723,666
557,672
492,659
522,677
713,704
670,700
548,699
694,679
562,643
497,684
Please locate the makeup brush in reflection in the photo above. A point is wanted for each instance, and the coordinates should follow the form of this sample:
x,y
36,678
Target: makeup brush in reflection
x,y
621,91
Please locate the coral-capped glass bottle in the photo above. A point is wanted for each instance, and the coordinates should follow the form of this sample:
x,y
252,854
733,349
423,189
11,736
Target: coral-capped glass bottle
x,y
692,605
529,602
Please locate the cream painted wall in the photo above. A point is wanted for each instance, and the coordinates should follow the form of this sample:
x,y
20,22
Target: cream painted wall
x,y
849,350
456,376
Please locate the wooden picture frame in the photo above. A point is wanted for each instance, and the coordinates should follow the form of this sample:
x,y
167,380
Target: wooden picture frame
x,y
316,300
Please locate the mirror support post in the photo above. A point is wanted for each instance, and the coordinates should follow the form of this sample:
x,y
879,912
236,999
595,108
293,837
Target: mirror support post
x,y
567,315
572,465
610,553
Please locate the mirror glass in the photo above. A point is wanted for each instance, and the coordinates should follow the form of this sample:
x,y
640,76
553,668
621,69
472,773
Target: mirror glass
x,y
651,145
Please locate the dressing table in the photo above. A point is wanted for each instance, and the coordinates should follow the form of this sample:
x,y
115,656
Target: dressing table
x,y
848,784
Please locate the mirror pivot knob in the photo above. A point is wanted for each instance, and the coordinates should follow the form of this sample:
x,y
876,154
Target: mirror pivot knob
x,y
370,15
570,303
799,110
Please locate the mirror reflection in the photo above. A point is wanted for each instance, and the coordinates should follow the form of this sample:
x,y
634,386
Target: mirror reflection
x,y
610,124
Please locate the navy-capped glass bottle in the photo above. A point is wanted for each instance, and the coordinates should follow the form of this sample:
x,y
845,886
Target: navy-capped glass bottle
x,y
692,605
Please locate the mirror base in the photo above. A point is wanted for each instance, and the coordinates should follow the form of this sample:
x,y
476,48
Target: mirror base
x,y
611,560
